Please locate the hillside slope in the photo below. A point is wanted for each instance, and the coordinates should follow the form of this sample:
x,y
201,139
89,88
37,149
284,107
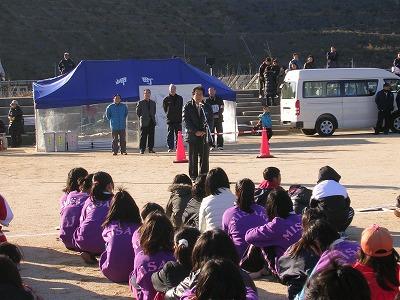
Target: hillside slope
x,y
34,34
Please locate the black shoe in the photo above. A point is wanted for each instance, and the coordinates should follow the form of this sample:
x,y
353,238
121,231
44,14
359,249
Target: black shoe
x,y
141,152
115,153
124,153
151,151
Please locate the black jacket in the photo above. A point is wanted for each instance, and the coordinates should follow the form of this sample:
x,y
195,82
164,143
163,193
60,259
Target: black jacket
x,y
195,121
169,276
309,65
217,106
146,111
332,60
173,108
398,101
66,65
18,121
261,69
396,62
271,74
178,201
190,216
384,101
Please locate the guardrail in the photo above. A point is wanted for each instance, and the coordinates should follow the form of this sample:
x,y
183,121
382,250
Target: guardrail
x,y
241,82
16,88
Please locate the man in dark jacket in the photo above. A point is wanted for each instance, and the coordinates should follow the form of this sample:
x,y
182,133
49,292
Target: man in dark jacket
x,y
217,105
332,58
271,74
66,65
384,102
146,111
172,105
198,117
16,123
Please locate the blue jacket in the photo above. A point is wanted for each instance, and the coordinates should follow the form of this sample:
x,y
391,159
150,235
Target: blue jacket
x,y
116,114
265,120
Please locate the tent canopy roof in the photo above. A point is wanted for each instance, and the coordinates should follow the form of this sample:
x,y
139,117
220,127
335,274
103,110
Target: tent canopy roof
x,y
97,81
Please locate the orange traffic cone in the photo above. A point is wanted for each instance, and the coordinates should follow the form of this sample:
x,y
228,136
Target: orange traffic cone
x,y
264,149
180,150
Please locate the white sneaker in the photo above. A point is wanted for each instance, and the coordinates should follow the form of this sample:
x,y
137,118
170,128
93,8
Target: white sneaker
x,y
220,148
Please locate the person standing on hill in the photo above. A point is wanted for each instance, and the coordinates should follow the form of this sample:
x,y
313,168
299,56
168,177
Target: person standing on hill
x,y
172,105
217,105
16,123
295,61
384,101
66,65
270,74
261,78
146,111
309,64
396,65
117,113
332,58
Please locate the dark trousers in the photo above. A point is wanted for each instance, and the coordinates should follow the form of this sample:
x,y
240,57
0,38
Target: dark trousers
x,y
147,137
198,147
383,116
16,138
261,82
119,136
219,128
269,133
172,136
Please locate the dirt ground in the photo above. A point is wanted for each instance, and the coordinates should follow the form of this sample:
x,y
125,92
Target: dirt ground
x,y
32,184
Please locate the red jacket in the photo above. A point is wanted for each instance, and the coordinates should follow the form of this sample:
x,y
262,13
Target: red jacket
x,y
377,293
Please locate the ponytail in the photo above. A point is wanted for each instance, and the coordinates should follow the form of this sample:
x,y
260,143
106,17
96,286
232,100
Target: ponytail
x,y
85,184
185,239
245,194
99,188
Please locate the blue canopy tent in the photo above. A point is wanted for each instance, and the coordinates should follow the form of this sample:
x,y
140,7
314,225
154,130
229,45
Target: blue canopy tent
x,y
93,82
76,101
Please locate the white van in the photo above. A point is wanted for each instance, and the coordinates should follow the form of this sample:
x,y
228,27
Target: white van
x,y
323,100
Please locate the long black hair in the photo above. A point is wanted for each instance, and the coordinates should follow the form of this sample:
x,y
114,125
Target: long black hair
x,y
123,209
318,236
9,273
74,175
185,239
386,269
245,194
220,279
216,179
86,183
151,207
279,204
156,234
99,189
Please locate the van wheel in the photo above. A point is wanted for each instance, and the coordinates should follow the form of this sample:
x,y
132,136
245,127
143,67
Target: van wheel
x,y
308,131
326,126
396,122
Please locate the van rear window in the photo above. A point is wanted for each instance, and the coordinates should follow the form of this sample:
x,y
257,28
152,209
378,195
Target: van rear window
x,y
289,90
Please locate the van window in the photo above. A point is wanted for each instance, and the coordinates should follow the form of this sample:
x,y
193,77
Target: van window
x,y
289,90
360,88
321,89
394,83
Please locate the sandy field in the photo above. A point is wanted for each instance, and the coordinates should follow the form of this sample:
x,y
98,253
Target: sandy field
x,y
32,183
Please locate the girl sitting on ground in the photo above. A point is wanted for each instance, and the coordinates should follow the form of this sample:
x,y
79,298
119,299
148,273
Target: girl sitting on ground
x,y
282,230
174,272
156,242
116,262
150,207
74,175
88,236
190,215
181,193
379,263
71,211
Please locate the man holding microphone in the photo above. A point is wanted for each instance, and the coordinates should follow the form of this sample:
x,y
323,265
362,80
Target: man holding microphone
x,y
198,118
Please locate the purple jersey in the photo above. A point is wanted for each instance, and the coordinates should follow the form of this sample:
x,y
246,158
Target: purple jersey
x,y
342,251
145,266
236,223
62,200
71,208
279,234
136,242
88,236
116,262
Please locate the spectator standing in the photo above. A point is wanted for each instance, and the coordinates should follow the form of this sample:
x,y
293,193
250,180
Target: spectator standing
x,y
172,105
261,78
384,102
217,106
271,73
116,113
332,58
146,111
66,65
197,116
396,65
309,64
16,123
295,60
